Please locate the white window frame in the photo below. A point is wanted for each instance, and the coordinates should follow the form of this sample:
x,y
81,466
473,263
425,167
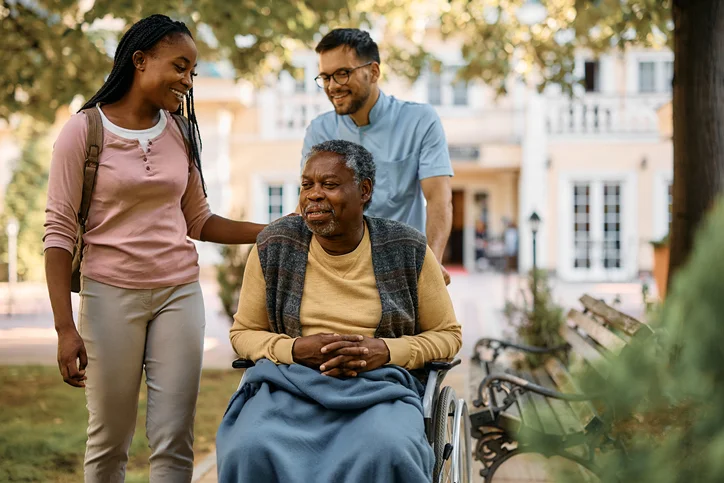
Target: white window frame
x,y
459,85
447,77
650,89
300,85
660,205
659,57
260,194
451,73
440,88
629,242
667,76
276,201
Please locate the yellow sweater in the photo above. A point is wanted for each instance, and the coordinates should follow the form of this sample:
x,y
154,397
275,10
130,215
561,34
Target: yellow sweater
x,y
340,296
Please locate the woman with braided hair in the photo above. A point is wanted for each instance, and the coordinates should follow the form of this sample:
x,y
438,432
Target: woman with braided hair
x,y
141,307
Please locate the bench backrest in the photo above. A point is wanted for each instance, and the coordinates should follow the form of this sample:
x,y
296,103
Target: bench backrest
x,y
597,334
600,332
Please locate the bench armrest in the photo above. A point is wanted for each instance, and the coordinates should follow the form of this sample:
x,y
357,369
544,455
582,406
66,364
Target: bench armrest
x,y
518,385
498,346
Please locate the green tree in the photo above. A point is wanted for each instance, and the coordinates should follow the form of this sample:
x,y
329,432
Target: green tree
x,y
47,57
230,275
25,200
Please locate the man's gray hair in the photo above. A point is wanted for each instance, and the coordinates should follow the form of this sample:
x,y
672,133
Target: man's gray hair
x,y
355,157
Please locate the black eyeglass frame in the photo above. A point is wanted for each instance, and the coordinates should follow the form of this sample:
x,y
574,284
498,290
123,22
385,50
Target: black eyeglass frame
x,y
324,78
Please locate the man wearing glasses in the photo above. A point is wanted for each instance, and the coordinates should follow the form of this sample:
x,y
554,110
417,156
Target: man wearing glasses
x,y
405,138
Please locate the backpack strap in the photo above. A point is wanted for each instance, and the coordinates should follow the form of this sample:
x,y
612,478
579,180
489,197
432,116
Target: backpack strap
x,y
93,146
183,126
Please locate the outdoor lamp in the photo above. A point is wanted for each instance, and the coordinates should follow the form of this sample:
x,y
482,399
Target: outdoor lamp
x,y
534,222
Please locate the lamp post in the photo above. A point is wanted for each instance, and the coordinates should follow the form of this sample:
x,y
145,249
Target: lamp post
x,y
534,221
12,232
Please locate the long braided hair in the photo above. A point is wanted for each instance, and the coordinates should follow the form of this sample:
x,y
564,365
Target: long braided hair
x,y
143,36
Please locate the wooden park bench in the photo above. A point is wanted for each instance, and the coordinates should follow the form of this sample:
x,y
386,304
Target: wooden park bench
x,y
516,404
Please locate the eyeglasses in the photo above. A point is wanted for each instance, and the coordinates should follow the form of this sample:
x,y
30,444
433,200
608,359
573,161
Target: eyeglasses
x,y
341,77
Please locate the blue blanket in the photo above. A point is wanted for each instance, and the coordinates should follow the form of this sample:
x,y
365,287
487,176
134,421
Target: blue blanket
x,y
291,424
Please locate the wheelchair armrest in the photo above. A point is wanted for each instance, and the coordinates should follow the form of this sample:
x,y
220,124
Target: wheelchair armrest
x,y
242,364
441,365
436,373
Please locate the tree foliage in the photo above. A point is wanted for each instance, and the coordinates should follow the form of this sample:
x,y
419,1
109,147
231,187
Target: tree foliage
x,y
25,201
54,50
538,41
47,57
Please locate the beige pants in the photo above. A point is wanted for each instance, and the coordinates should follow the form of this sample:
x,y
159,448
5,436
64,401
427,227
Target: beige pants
x,y
125,331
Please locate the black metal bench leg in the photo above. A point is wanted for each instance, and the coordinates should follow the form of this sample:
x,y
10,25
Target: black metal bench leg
x,y
489,472
493,449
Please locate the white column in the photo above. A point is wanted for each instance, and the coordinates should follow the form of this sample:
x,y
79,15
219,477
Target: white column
x,y
268,114
632,73
533,182
223,163
518,94
607,74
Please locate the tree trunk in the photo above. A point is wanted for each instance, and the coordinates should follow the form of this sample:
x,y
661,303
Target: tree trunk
x,y
698,109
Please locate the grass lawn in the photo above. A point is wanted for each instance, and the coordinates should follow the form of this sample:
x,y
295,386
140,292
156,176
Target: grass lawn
x,y
43,425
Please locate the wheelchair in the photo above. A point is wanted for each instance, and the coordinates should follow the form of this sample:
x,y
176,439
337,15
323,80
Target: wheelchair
x,y
447,423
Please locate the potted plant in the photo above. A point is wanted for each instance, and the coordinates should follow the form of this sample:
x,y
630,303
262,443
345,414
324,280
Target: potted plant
x,y
661,264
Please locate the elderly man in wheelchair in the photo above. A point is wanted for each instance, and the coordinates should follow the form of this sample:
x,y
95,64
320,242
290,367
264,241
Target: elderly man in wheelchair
x,y
344,324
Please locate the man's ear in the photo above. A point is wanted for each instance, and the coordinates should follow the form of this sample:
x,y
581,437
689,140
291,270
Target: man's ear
x,y
366,190
375,71
139,60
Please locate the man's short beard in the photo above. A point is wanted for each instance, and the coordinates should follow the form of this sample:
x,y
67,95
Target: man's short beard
x,y
325,229
356,104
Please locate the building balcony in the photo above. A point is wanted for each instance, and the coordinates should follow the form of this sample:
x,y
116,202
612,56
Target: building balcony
x,y
285,116
599,115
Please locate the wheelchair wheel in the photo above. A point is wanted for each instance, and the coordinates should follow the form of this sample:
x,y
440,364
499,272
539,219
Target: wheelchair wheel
x,y
443,429
464,463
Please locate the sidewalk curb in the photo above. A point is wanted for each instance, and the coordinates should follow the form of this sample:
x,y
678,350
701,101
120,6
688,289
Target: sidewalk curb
x,y
203,468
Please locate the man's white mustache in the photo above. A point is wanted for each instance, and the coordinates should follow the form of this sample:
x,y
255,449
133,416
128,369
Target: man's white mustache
x,y
317,208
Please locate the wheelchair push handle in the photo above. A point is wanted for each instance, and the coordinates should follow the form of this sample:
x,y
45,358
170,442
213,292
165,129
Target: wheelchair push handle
x,y
242,364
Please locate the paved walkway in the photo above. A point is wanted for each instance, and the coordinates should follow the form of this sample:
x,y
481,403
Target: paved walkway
x,y
27,336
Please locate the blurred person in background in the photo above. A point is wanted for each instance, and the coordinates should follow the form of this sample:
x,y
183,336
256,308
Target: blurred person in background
x,y
510,252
